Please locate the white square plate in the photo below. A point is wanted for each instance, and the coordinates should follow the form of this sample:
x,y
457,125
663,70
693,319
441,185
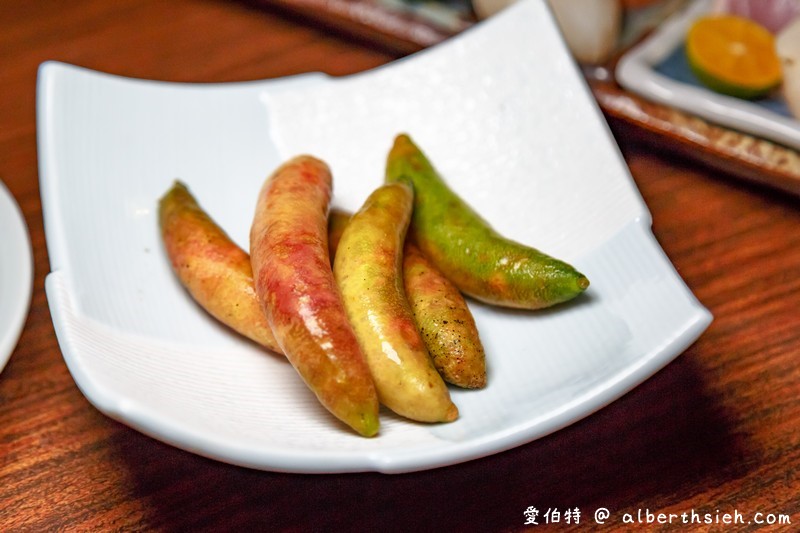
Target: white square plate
x,y
657,70
504,114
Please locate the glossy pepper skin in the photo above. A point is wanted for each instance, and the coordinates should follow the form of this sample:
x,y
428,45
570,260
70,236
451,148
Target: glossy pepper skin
x,y
444,321
368,270
215,271
479,261
295,286
442,316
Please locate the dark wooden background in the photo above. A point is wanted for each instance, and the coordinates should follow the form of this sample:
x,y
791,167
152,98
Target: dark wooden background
x,y
718,429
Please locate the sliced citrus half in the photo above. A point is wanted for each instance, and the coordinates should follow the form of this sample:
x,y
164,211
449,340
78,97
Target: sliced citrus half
x,y
733,55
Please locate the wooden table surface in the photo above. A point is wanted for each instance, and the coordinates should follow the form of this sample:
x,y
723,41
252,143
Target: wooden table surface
x,y
717,431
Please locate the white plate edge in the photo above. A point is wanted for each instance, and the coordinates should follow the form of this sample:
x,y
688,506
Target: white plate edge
x,y
23,256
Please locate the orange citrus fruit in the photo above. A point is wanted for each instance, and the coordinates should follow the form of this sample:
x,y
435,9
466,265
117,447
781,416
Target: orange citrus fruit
x,y
733,55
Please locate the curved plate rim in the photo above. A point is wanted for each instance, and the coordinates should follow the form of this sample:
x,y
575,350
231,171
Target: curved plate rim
x,y
17,263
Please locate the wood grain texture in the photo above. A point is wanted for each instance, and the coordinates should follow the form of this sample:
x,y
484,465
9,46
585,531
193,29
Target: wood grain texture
x,y
717,429
368,20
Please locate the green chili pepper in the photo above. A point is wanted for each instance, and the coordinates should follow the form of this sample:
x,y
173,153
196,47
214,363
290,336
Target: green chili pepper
x,y
479,261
